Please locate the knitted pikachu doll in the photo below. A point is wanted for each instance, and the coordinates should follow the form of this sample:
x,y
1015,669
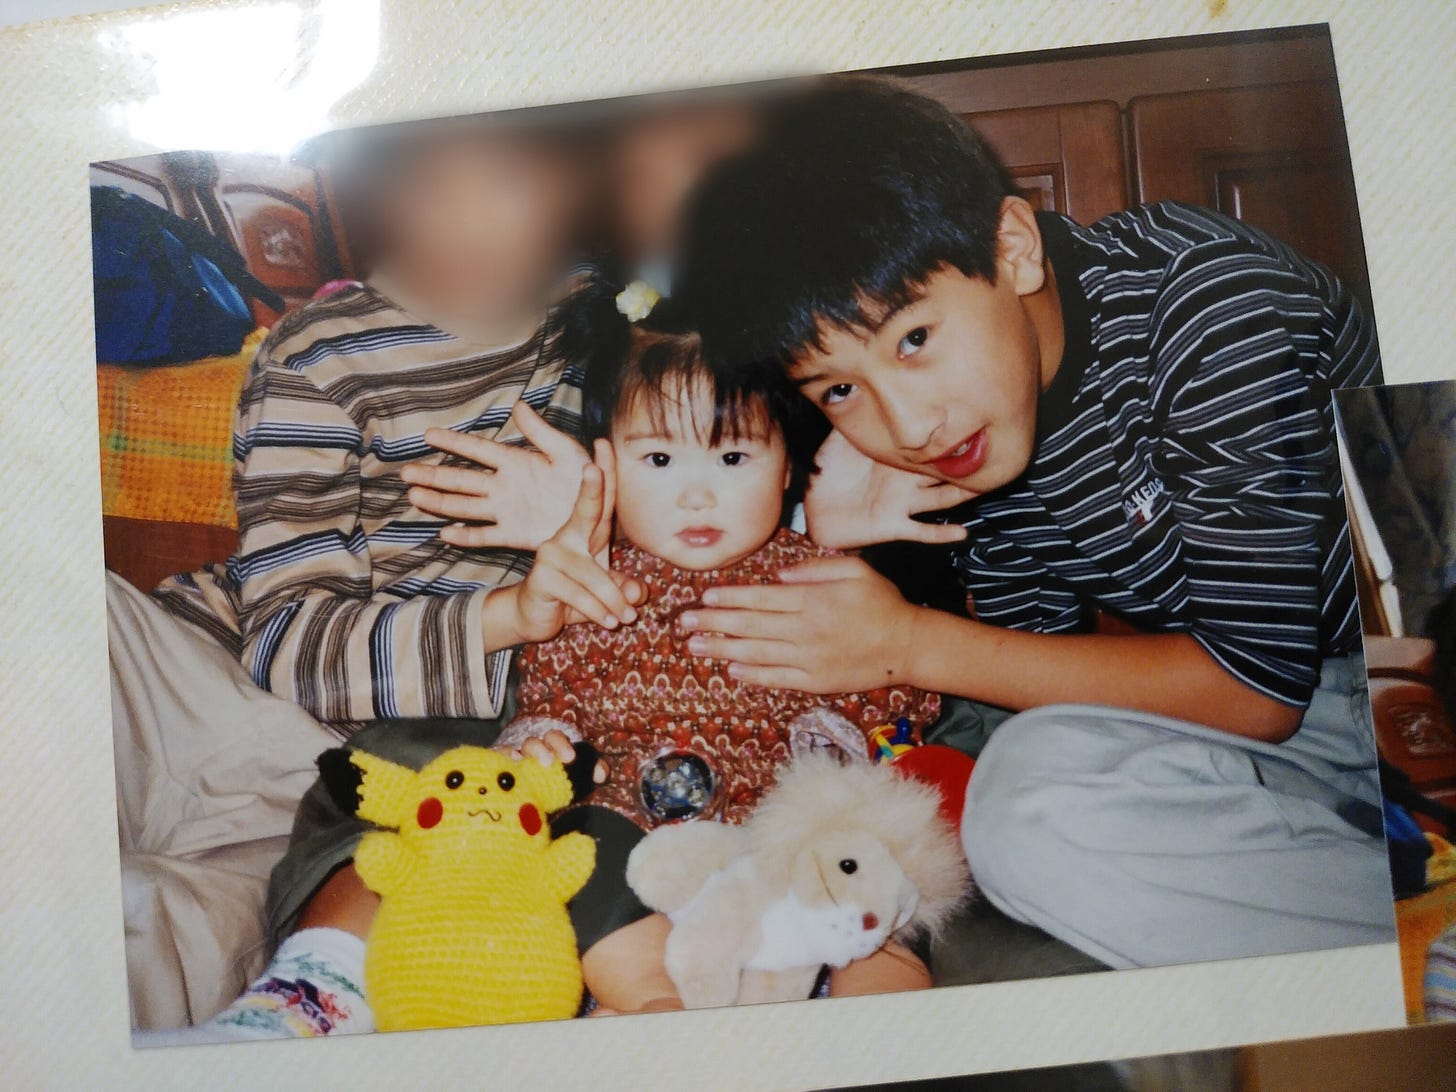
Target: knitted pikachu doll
x,y
472,927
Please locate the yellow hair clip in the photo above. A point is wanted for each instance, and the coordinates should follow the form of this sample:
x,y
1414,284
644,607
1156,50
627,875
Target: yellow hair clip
x,y
637,300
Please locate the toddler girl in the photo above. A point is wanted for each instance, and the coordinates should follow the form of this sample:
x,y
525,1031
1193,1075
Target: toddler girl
x,y
699,475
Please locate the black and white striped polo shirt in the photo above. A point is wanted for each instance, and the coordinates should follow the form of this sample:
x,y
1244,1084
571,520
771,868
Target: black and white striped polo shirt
x,y
1185,474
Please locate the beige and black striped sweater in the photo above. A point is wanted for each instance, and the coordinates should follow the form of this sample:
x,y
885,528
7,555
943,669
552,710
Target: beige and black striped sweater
x,y
341,596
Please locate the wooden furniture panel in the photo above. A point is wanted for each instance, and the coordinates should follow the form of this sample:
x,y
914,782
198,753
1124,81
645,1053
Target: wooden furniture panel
x,y
163,180
1274,156
146,551
276,214
1066,158
1119,72
1412,727
1413,733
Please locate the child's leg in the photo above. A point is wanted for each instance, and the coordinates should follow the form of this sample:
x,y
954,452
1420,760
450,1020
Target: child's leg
x,y
625,971
893,969
623,944
319,911
1146,841
343,902
209,772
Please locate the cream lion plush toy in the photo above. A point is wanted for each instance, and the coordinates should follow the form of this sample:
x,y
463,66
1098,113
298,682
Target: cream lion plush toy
x,y
835,860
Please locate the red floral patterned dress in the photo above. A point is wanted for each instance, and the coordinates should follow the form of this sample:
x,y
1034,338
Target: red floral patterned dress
x,y
635,691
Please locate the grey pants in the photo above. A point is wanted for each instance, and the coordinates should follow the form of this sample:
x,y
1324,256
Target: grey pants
x,y
1144,840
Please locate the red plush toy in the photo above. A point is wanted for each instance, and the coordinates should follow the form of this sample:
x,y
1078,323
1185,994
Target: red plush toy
x,y
945,768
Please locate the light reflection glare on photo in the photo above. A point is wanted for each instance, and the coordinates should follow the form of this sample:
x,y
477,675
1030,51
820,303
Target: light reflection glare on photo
x,y
299,60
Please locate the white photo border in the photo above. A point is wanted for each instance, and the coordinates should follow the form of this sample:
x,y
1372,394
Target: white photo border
x,y
70,96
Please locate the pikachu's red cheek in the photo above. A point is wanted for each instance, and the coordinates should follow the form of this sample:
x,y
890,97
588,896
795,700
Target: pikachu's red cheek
x,y
430,813
530,819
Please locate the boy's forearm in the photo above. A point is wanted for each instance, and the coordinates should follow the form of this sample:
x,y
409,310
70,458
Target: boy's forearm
x,y
1170,674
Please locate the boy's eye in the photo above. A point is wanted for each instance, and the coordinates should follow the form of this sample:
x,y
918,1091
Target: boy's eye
x,y
735,458
837,393
911,343
658,458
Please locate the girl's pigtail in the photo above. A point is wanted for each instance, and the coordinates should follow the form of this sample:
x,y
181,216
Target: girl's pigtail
x,y
594,335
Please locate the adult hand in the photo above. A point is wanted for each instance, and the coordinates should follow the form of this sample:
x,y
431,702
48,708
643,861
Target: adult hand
x,y
830,626
854,501
517,499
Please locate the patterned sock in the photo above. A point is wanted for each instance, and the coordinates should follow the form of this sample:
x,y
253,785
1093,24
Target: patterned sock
x,y
1440,983
312,986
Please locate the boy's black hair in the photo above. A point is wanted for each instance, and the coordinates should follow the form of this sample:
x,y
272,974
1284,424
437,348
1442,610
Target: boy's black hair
x,y
858,192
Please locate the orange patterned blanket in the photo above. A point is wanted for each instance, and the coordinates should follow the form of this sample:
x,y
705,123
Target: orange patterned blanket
x,y
166,438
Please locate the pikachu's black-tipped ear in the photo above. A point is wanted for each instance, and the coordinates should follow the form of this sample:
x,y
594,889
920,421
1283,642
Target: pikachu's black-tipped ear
x,y
341,779
581,771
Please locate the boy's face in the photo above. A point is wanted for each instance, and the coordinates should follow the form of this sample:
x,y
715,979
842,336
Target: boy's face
x,y
948,385
478,223
696,505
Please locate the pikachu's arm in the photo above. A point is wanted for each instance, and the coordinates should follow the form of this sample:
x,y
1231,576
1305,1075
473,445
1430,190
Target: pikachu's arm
x,y
383,862
569,864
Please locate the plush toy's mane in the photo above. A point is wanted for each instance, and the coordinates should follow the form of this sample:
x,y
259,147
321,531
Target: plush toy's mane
x,y
816,795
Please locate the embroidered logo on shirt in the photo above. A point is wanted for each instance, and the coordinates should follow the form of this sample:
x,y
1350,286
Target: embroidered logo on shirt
x,y
1138,508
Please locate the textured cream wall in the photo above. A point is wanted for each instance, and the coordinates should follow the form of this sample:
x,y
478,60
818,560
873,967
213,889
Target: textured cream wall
x,y
69,94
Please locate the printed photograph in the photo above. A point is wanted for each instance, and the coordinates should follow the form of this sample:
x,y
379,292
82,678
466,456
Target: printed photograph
x,y
1400,478
839,536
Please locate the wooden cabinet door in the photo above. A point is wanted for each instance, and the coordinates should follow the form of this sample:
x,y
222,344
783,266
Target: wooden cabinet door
x,y
1275,157
1066,159
276,214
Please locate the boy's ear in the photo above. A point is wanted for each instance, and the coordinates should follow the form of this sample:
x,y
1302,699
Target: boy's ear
x,y
386,789
1019,251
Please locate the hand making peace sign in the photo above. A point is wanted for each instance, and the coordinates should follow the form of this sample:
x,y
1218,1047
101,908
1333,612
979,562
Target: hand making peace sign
x,y
572,581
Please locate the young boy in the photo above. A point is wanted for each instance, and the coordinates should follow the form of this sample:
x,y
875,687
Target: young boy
x,y
1137,417
345,599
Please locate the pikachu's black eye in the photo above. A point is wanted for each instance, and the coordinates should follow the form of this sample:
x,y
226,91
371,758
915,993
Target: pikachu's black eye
x,y
507,781
454,779
849,866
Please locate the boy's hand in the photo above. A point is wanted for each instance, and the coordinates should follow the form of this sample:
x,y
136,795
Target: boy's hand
x,y
831,626
854,501
518,500
571,581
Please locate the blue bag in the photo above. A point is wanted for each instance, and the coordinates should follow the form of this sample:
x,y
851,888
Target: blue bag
x,y
166,291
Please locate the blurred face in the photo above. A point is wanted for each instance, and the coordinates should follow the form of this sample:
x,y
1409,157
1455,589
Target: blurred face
x,y
696,505
947,385
657,160
478,224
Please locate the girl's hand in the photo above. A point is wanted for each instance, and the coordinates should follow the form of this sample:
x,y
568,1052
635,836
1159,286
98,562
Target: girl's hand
x,y
518,500
830,626
555,746
571,581
854,501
